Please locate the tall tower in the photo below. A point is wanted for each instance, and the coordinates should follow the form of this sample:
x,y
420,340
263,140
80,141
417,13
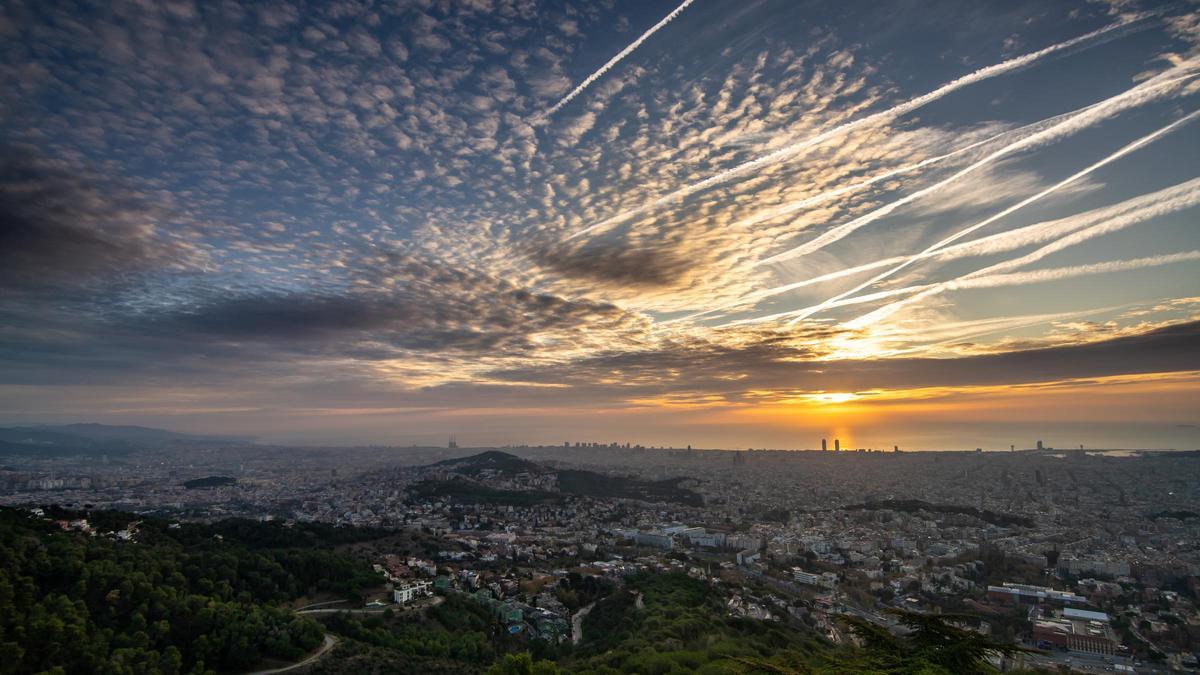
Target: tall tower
x,y
1039,445
824,445
837,445
453,443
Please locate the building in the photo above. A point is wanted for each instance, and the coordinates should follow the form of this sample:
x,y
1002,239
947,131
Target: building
x,y
1022,594
824,445
806,578
1078,566
743,541
654,540
837,445
1078,631
406,593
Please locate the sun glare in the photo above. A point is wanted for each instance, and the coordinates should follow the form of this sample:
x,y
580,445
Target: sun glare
x,y
833,397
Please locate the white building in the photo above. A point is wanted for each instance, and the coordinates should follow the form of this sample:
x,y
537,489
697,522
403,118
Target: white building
x,y
406,593
802,577
655,540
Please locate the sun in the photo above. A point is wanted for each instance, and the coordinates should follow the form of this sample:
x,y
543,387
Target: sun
x,y
833,397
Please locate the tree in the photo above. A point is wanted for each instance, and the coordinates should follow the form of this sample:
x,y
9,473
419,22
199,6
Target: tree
x,y
522,664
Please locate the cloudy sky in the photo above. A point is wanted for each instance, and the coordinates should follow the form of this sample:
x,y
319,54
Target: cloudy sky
x,y
728,223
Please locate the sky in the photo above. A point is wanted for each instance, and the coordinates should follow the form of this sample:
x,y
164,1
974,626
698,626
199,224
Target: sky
x,y
724,223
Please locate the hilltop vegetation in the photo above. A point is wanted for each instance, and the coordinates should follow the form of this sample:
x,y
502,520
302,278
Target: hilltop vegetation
x,y
208,482
470,492
591,484
176,601
197,598
570,482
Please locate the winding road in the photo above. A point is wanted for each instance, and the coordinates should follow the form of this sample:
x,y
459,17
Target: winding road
x,y
328,644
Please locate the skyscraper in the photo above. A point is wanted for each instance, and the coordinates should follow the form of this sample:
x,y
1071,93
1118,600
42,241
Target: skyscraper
x,y
837,445
824,445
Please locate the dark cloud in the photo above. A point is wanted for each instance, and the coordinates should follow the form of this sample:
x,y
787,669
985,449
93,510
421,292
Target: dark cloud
x,y
428,309
775,363
468,316
615,263
59,228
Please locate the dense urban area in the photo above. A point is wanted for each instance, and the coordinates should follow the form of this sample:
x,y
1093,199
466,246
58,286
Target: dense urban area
x,y
591,557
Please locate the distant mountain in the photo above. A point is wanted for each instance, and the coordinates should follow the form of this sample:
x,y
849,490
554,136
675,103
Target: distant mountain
x,y
94,439
135,434
570,482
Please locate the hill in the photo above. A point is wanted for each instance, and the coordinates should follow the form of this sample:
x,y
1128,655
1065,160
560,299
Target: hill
x,y
174,600
95,439
570,481
144,435
471,492
208,482
492,460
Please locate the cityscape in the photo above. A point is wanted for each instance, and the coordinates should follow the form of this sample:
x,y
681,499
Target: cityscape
x,y
599,337
1087,558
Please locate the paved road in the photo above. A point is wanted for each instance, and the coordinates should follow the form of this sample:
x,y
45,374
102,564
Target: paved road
x,y
437,600
320,604
334,610
328,644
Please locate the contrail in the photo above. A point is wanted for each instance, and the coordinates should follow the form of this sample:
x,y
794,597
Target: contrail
x,y
1098,221
987,279
798,315
1086,225
587,81
1139,143
895,111
768,292
792,207
1057,273
1075,122
979,328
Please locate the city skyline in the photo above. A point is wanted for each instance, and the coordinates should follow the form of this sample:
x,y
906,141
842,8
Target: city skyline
x,y
721,224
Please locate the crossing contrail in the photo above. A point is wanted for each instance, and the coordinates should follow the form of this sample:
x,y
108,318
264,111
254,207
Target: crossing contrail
x,y
987,278
1135,145
587,81
769,292
1079,227
1172,201
1084,118
800,204
901,109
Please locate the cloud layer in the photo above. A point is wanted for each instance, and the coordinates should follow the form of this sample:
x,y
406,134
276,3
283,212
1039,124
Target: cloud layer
x,y
459,204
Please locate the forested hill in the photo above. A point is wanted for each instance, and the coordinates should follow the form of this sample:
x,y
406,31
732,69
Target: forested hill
x,y
187,599
575,482
196,598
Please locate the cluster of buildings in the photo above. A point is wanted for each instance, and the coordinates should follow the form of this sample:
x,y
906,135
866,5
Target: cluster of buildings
x,y
828,533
